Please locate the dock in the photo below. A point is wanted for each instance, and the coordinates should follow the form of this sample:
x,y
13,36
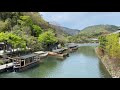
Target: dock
x,y
4,67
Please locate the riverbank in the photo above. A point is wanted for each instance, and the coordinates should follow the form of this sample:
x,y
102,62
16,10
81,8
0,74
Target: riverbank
x,y
112,65
83,63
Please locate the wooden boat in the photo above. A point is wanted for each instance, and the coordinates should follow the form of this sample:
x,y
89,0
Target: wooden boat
x,y
24,62
73,48
42,54
58,53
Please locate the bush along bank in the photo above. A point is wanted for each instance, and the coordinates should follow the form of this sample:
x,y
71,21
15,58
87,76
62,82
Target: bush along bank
x,y
112,65
109,52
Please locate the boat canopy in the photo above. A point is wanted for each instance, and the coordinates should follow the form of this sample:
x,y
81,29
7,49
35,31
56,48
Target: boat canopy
x,y
58,50
26,56
39,52
71,46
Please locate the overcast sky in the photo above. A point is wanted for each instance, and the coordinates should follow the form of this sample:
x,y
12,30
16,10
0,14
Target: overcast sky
x,y
80,20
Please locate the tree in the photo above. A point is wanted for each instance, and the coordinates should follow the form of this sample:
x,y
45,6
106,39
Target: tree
x,y
62,40
16,41
12,16
110,44
47,38
37,30
32,43
25,21
102,40
37,19
12,39
4,38
4,26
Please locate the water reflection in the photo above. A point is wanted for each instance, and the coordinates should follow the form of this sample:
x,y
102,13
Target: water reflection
x,y
103,72
87,51
80,64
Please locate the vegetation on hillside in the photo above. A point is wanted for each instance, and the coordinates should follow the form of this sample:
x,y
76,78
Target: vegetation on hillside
x,y
66,30
94,31
27,30
110,45
47,38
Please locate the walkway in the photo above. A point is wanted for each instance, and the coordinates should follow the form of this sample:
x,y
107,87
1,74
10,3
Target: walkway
x,y
4,66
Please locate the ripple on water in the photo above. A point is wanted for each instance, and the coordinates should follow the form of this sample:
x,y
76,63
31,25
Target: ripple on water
x,y
81,64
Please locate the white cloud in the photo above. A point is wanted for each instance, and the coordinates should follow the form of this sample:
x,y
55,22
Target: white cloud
x,y
80,20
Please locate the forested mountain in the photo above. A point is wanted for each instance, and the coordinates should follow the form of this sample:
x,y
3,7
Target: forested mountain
x,y
96,30
66,30
93,32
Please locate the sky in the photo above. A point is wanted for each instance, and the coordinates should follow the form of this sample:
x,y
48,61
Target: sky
x,y
80,20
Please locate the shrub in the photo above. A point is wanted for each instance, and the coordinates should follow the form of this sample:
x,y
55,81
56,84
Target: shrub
x,y
1,62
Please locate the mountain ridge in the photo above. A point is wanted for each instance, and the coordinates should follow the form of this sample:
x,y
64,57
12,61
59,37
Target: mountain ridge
x,y
66,30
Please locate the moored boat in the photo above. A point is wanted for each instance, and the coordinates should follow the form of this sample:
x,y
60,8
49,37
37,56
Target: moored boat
x,y
42,54
59,53
73,48
24,62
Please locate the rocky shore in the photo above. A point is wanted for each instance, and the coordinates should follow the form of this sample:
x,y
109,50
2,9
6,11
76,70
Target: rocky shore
x,y
112,65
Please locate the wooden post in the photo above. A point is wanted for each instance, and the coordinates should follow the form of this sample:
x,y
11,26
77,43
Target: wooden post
x,y
19,62
24,62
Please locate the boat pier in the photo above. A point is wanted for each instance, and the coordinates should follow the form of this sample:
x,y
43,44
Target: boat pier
x,y
6,67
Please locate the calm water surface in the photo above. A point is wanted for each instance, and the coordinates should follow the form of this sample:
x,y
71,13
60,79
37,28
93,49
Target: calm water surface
x,y
83,63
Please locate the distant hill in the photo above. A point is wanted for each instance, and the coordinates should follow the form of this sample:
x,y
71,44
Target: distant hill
x,y
66,30
91,33
97,30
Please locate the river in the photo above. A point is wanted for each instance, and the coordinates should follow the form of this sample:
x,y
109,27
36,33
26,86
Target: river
x,y
83,63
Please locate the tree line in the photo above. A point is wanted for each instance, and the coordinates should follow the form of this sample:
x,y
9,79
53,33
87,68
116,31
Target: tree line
x,y
110,45
27,30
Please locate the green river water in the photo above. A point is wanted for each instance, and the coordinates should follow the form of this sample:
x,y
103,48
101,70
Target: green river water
x,y
83,63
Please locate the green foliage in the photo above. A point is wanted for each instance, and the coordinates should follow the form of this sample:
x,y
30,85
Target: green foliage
x,y
25,21
1,62
62,40
37,19
12,18
33,43
110,44
78,39
93,32
47,37
16,41
4,26
99,29
27,29
37,30
103,41
3,37
113,46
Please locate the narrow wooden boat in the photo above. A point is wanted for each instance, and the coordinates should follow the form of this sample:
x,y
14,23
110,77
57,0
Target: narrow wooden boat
x,y
73,48
58,54
42,54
